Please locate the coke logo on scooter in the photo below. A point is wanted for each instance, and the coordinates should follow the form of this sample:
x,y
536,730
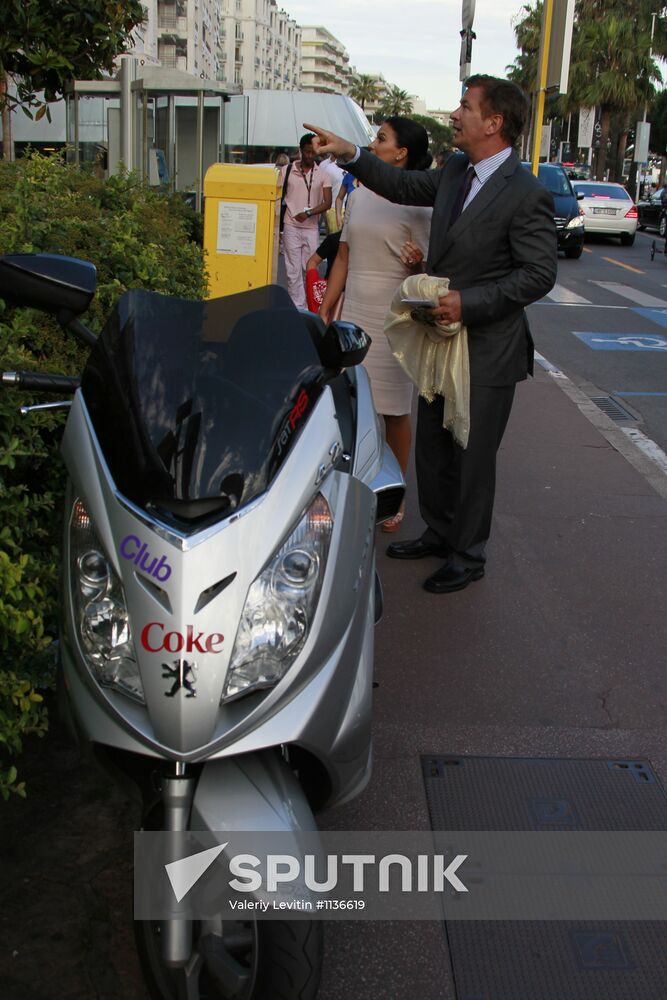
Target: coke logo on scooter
x,y
154,640
134,549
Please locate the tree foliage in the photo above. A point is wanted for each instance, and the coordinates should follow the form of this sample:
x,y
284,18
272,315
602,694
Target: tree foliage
x,y
440,136
136,238
611,65
364,89
46,43
394,102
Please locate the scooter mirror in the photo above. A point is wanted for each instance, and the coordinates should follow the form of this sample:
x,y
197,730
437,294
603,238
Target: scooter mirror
x,y
340,344
48,281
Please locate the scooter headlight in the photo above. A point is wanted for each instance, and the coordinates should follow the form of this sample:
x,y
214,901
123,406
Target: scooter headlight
x,y
280,606
100,610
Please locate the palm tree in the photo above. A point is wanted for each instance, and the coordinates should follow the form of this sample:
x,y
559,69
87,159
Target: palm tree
x,y
395,102
527,26
610,68
610,65
363,89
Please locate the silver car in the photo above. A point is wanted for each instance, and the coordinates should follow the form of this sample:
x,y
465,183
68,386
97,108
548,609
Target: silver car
x,y
608,210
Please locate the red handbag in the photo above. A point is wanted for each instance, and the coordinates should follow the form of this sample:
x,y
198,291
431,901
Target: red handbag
x,y
315,289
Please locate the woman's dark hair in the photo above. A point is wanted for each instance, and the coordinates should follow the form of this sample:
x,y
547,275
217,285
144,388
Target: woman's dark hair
x,y
415,139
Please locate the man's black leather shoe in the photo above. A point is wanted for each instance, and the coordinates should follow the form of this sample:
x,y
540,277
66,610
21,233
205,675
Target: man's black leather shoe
x,y
449,578
416,549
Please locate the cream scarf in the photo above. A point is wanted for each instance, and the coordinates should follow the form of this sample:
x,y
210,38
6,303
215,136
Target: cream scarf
x,y
434,357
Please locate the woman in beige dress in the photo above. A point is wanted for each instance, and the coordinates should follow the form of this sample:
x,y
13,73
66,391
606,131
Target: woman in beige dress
x,y
380,245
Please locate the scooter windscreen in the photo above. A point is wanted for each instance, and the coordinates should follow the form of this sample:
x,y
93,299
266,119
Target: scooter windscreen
x,y
196,404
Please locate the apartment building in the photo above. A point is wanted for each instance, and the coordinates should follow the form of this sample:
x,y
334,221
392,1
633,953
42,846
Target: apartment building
x,y
189,36
145,36
325,64
260,45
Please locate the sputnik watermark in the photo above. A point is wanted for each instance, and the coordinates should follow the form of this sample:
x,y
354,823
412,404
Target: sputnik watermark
x,y
426,873
413,875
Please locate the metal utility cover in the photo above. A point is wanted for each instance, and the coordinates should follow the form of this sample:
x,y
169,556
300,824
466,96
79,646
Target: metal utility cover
x,y
551,960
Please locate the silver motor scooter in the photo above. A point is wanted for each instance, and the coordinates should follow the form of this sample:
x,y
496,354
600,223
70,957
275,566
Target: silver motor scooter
x,y
226,474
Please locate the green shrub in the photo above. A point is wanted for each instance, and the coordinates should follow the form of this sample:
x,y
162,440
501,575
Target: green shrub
x,y
137,238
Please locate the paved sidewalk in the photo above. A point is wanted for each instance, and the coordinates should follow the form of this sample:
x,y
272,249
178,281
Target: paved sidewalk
x,y
558,651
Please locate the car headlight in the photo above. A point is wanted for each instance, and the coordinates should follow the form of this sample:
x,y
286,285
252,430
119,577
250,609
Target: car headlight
x,y
280,606
574,223
100,609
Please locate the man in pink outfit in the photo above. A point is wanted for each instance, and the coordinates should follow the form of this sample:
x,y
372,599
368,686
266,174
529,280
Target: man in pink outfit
x,y
307,195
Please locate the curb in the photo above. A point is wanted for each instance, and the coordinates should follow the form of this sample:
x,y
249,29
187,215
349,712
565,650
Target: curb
x,y
640,451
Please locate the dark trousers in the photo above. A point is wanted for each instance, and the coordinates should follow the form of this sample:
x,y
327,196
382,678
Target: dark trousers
x,y
457,486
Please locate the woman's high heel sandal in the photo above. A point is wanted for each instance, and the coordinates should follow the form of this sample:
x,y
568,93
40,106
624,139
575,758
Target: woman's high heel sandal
x,y
394,523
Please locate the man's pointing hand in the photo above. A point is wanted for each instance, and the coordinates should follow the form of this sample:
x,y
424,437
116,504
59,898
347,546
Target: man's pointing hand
x,y
327,142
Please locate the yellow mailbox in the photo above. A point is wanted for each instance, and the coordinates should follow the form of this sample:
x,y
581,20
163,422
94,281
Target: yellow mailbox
x,y
241,227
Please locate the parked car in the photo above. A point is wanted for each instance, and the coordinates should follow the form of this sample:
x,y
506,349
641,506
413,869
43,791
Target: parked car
x,y
608,209
577,171
567,215
652,213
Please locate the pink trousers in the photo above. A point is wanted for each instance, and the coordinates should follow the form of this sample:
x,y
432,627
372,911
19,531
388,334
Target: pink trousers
x,y
299,244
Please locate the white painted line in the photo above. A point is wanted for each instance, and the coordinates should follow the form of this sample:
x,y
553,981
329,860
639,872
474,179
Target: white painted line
x,y
543,363
559,293
639,298
649,447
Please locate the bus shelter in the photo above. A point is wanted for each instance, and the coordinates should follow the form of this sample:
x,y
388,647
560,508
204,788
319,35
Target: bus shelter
x,y
167,125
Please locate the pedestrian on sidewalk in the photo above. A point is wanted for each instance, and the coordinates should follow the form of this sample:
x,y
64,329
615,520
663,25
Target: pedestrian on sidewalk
x,y
493,235
382,244
336,175
307,194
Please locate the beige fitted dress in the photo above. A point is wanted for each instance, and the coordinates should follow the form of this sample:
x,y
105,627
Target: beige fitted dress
x,y
375,230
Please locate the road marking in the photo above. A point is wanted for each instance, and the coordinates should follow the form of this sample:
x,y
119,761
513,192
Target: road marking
x,y
586,250
658,316
619,392
563,295
626,266
639,298
622,341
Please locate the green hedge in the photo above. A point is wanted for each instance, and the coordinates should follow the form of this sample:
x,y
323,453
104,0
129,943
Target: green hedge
x,y
137,238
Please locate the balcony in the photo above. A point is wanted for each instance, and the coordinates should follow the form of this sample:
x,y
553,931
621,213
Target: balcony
x,y
176,26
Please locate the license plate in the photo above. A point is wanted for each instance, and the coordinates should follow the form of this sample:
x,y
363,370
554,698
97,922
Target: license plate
x,y
604,211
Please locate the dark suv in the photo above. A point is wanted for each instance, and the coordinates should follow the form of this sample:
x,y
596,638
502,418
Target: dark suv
x,y
569,221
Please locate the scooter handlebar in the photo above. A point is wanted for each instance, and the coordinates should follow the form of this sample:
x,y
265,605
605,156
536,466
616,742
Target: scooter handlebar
x,y
41,381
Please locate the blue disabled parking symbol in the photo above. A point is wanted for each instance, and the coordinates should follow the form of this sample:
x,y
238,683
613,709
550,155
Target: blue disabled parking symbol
x,y
623,341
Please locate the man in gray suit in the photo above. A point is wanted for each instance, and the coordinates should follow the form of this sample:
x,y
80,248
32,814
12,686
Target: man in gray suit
x,y
493,235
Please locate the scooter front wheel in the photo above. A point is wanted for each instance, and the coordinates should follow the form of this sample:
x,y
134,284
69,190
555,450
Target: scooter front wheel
x,y
257,960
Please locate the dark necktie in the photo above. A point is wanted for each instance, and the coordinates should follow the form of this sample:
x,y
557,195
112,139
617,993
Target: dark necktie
x,y
463,193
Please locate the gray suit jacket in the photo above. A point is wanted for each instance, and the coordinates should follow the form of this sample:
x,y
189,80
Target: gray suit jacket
x,y
500,254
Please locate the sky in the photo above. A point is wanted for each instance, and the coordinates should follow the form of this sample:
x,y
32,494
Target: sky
x,y
416,43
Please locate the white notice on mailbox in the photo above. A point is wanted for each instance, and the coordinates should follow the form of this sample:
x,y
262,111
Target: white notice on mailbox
x,y
237,228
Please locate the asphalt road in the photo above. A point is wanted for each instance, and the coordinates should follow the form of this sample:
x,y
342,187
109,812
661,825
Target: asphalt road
x,y
605,326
